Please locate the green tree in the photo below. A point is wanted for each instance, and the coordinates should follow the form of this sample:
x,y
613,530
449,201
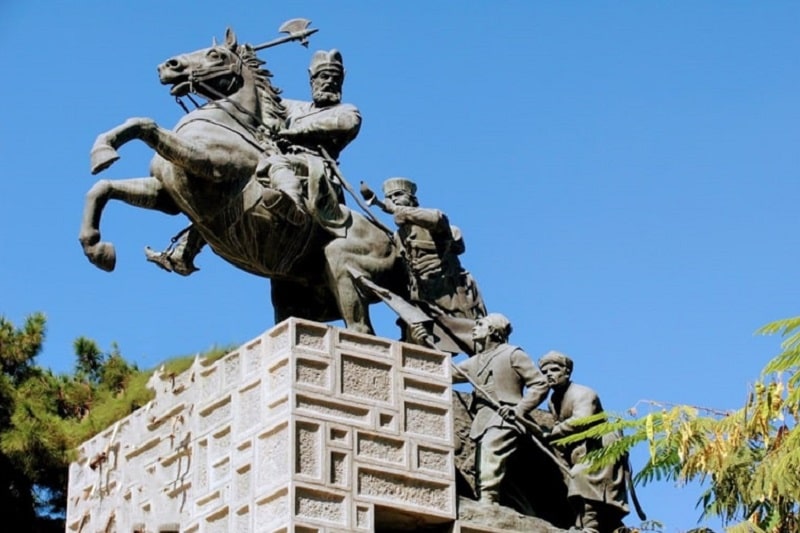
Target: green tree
x,y
748,459
23,462
43,417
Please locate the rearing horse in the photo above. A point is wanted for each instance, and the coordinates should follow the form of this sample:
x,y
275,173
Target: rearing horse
x,y
205,168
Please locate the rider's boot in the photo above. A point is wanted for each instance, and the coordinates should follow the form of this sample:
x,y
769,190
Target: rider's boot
x,y
283,205
179,258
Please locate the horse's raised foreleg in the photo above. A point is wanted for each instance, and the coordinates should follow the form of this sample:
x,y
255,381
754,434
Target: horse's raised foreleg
x,y
140,192
198,156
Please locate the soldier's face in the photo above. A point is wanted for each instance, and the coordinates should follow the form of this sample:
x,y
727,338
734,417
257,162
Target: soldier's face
x,y
557,375
326,87
400,197
481,330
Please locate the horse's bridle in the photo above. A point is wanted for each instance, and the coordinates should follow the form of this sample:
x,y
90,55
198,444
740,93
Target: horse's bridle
x,y
198,79
200,76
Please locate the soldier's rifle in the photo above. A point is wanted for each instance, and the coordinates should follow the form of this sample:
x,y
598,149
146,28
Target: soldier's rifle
x,y
523,425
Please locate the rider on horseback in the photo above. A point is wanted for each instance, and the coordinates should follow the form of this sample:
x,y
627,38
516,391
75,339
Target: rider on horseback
x,y
324,122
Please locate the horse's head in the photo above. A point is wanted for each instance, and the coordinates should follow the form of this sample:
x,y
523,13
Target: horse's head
x,y
213,73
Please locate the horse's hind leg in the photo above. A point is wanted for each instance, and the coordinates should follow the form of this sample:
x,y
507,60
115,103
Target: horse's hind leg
x,y
140,192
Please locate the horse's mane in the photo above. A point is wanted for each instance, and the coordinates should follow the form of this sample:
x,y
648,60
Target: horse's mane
x,y
272,109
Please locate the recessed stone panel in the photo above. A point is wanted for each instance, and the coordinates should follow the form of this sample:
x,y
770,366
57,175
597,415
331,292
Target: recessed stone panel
x,y
312,336
272,511
216,413
427,420
363,517
424,361
241,520
394,487
388,422
279,339
423,388
308,449
250,407
320,505
272,456
278,377
243,481
221,471
231,369
366,378
339,468
349,412
253,353
313,372
364,343
217,522
381,448
339,436
210,382
220,443
434,459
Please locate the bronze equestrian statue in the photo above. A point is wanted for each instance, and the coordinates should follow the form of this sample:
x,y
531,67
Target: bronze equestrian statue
x,y
206,168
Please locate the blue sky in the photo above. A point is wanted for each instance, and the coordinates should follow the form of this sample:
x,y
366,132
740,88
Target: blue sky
x,y
624,173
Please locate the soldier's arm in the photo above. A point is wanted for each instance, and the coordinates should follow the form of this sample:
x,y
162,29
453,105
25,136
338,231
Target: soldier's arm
x,y
430,219
586,404
535,383
341,122
462,370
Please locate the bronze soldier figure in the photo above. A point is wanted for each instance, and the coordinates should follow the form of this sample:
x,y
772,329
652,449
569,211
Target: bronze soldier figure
x,y
600,498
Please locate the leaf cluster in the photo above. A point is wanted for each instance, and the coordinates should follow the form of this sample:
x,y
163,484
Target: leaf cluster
x,y
748,459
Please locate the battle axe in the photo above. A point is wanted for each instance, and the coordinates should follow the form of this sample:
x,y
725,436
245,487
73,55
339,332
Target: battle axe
x,y
297,30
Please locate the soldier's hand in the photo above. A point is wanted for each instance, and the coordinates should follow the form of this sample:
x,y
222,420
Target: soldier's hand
x,y
507,413
366,193
388,206
419,333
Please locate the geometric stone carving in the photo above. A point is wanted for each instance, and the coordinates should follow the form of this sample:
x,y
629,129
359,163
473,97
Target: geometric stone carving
x,y
306,428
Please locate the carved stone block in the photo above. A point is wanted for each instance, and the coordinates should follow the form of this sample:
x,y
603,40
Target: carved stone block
x,y
306,428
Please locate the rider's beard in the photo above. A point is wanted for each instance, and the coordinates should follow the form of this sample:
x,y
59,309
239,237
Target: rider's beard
x,y
327,98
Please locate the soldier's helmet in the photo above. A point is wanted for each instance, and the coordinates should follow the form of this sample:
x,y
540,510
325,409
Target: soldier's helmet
x,y
399,184
326,60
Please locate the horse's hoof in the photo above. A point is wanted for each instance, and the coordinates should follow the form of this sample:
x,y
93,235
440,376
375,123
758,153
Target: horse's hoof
x,y
102,255
102,157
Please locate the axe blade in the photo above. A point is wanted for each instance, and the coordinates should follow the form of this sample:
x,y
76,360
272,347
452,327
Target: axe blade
x,y
294,26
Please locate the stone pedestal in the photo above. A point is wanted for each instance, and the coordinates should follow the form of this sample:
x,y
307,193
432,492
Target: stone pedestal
x,y
308,428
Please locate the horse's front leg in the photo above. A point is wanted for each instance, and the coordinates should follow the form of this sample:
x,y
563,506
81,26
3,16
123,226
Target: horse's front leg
x,y
148,193
104,151
199,156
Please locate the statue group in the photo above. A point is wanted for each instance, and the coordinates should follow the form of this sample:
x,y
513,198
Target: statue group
x,y
258,177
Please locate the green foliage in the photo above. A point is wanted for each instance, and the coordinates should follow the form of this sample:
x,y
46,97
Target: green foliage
x,y
749,458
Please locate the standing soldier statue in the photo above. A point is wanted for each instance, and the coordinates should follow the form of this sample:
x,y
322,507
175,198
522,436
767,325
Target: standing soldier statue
x,y
599,498
508,387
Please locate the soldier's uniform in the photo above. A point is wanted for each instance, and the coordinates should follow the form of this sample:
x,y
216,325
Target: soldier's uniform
x,y
509,375
430,247
600,498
